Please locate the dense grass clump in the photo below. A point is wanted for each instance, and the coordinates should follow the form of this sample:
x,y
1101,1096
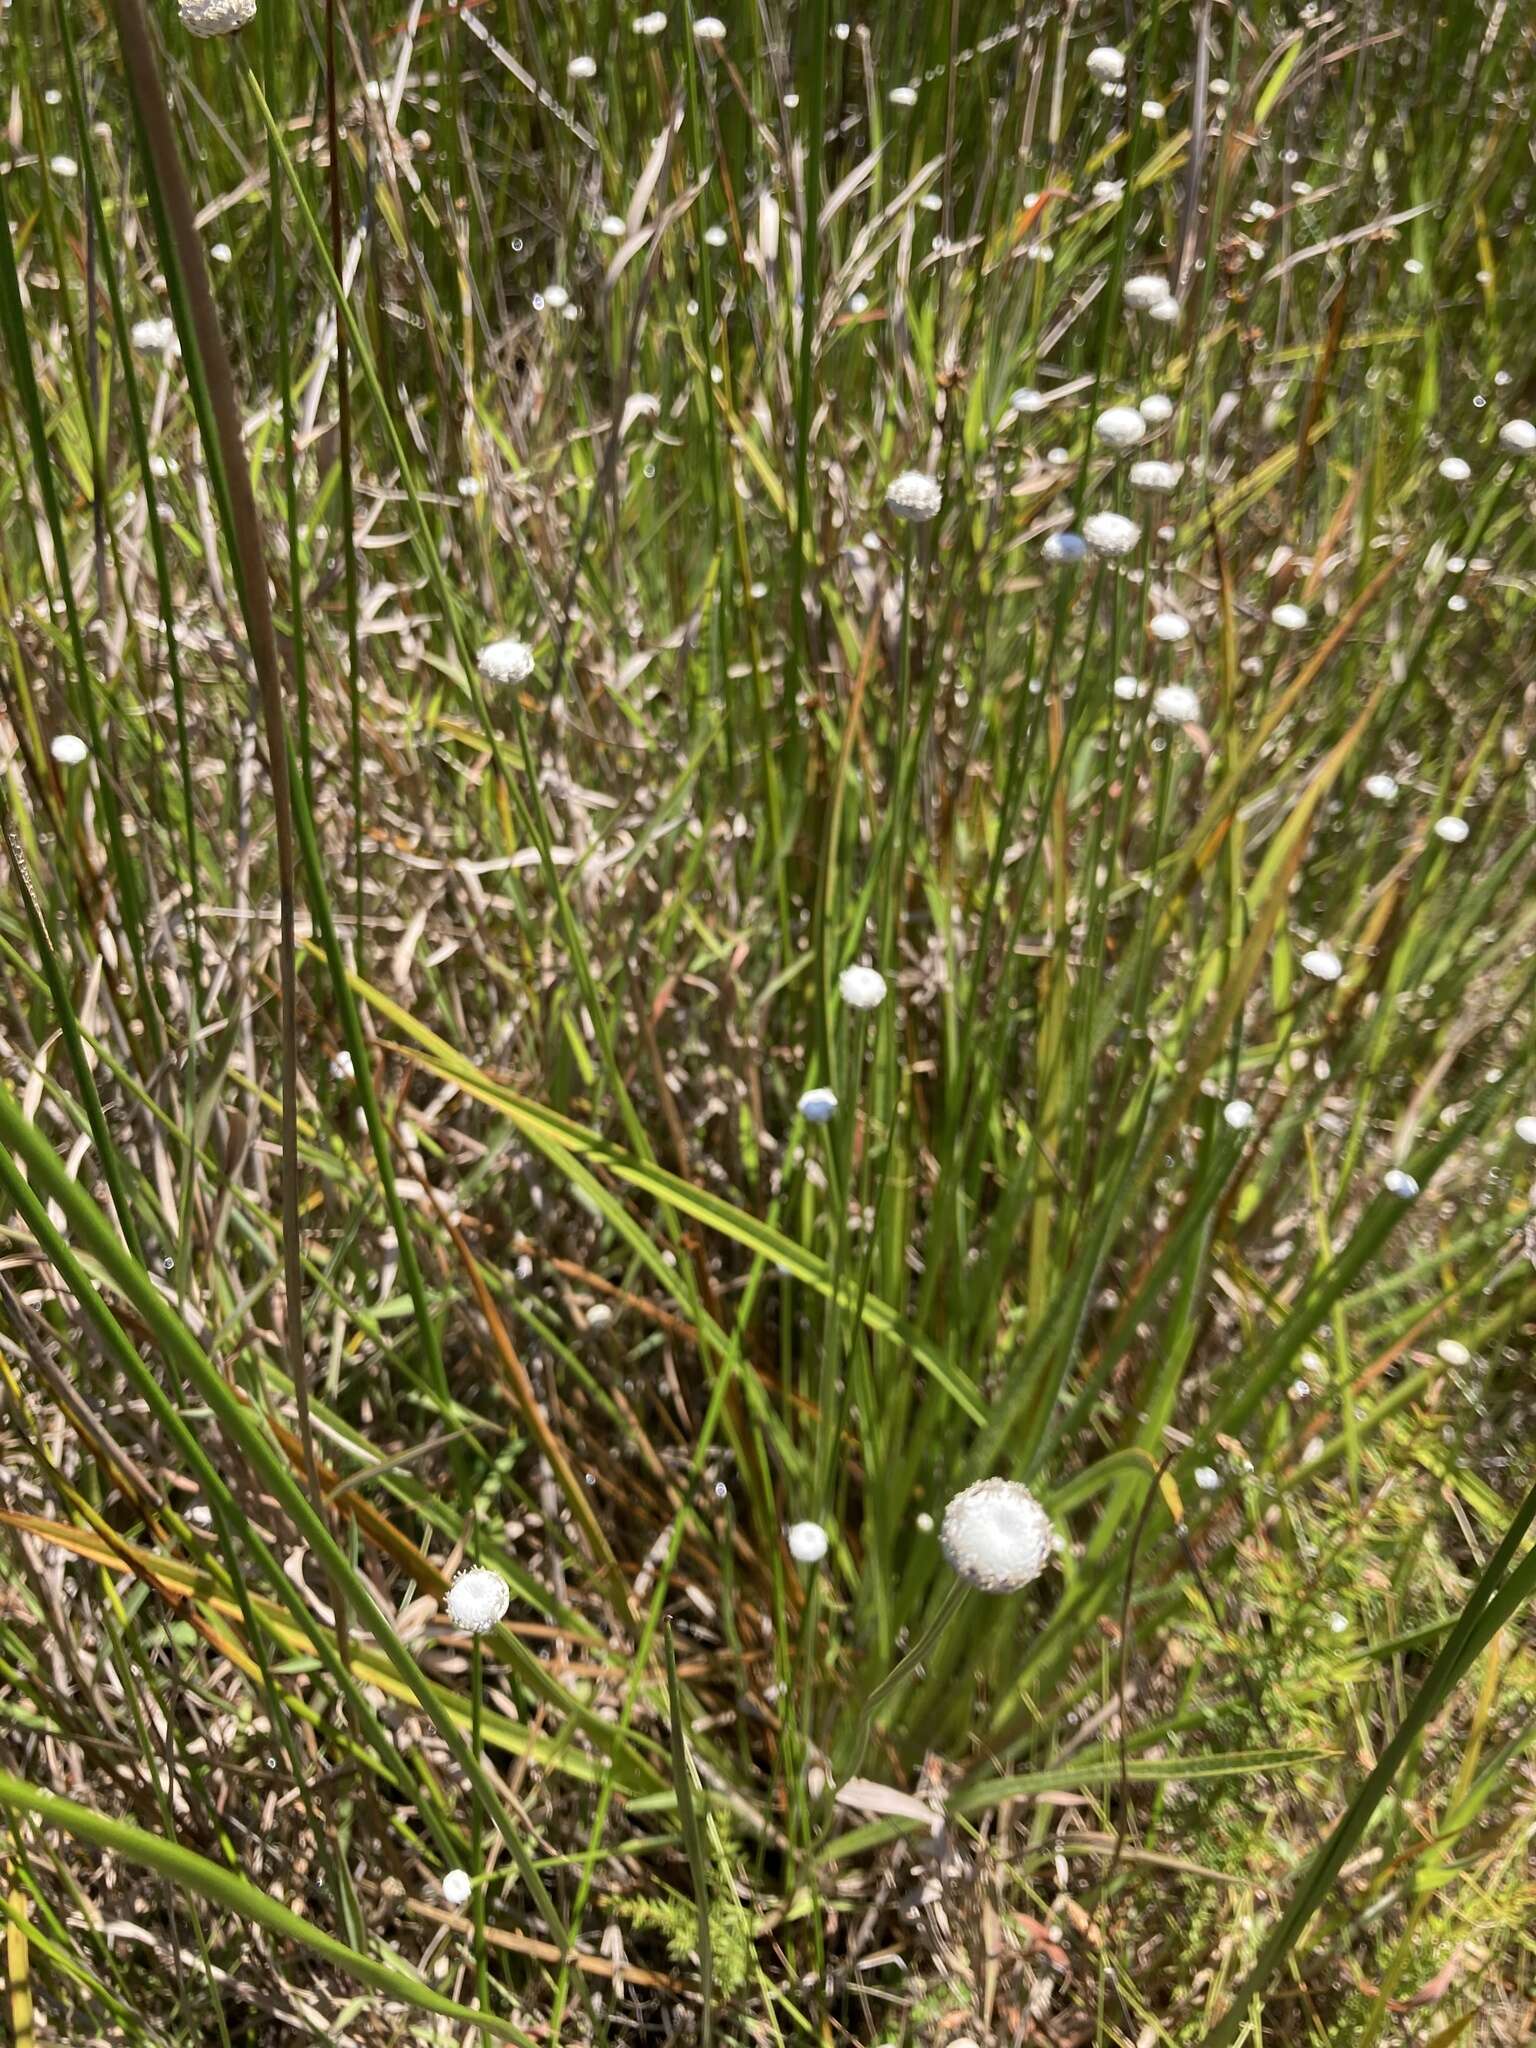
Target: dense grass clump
x,y
752,768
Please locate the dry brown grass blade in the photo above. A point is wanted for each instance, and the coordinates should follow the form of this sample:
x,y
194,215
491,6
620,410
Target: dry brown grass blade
x,y
515,1375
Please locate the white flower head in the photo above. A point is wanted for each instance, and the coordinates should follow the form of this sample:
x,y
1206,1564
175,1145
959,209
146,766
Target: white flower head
x,y
556,297
1166,310
1290,618
477,1599
1106,64
709,29
1382,787
902,96
1153,110
1207,1478
1454,831
1156,408
63,167
1237,1115
1455,469
1517,437
216,17
914,496
1397,1182
1175,704
1126,688
1525,1129
1148,288
153,337
505,661
457,1887
861,988
1027,399
1169,627
1110,533
807,1542
1451,1351
996,1536
1155,478
68,749
1323,962
1061,549
581,67
817,1105
1119,426
652,24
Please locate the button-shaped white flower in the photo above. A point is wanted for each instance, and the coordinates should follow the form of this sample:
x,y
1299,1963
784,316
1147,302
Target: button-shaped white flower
x,y
216,17
996,1536
505,661
1237,1115
1120,426
1397,1182
914,496
1453,831
1155,478
1290,618
807,1542
1110,533
1525,1129
1455,469
1148,288
68,749
1175,704
153,337
477,1600
861,988
1517,437
457,1887
1382,787
1323,962
1156,408
1169,627
1106,64
818,1105
709,29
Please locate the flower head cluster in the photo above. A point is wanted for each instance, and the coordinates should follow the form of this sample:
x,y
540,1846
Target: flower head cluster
x,y
505,661
914,496
996,1536
861,988
216,17
477,1600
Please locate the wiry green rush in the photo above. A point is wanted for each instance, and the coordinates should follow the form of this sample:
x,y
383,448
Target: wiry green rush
x,y
236,1894
897,642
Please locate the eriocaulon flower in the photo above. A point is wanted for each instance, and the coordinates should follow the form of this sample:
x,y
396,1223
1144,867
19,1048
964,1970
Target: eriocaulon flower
x,y
505,661
807,1542
996,1536
1323,962
914,496
1119,426
457,1887
1110,533
1175,704
216,17
818,1105
477,1600
861,988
